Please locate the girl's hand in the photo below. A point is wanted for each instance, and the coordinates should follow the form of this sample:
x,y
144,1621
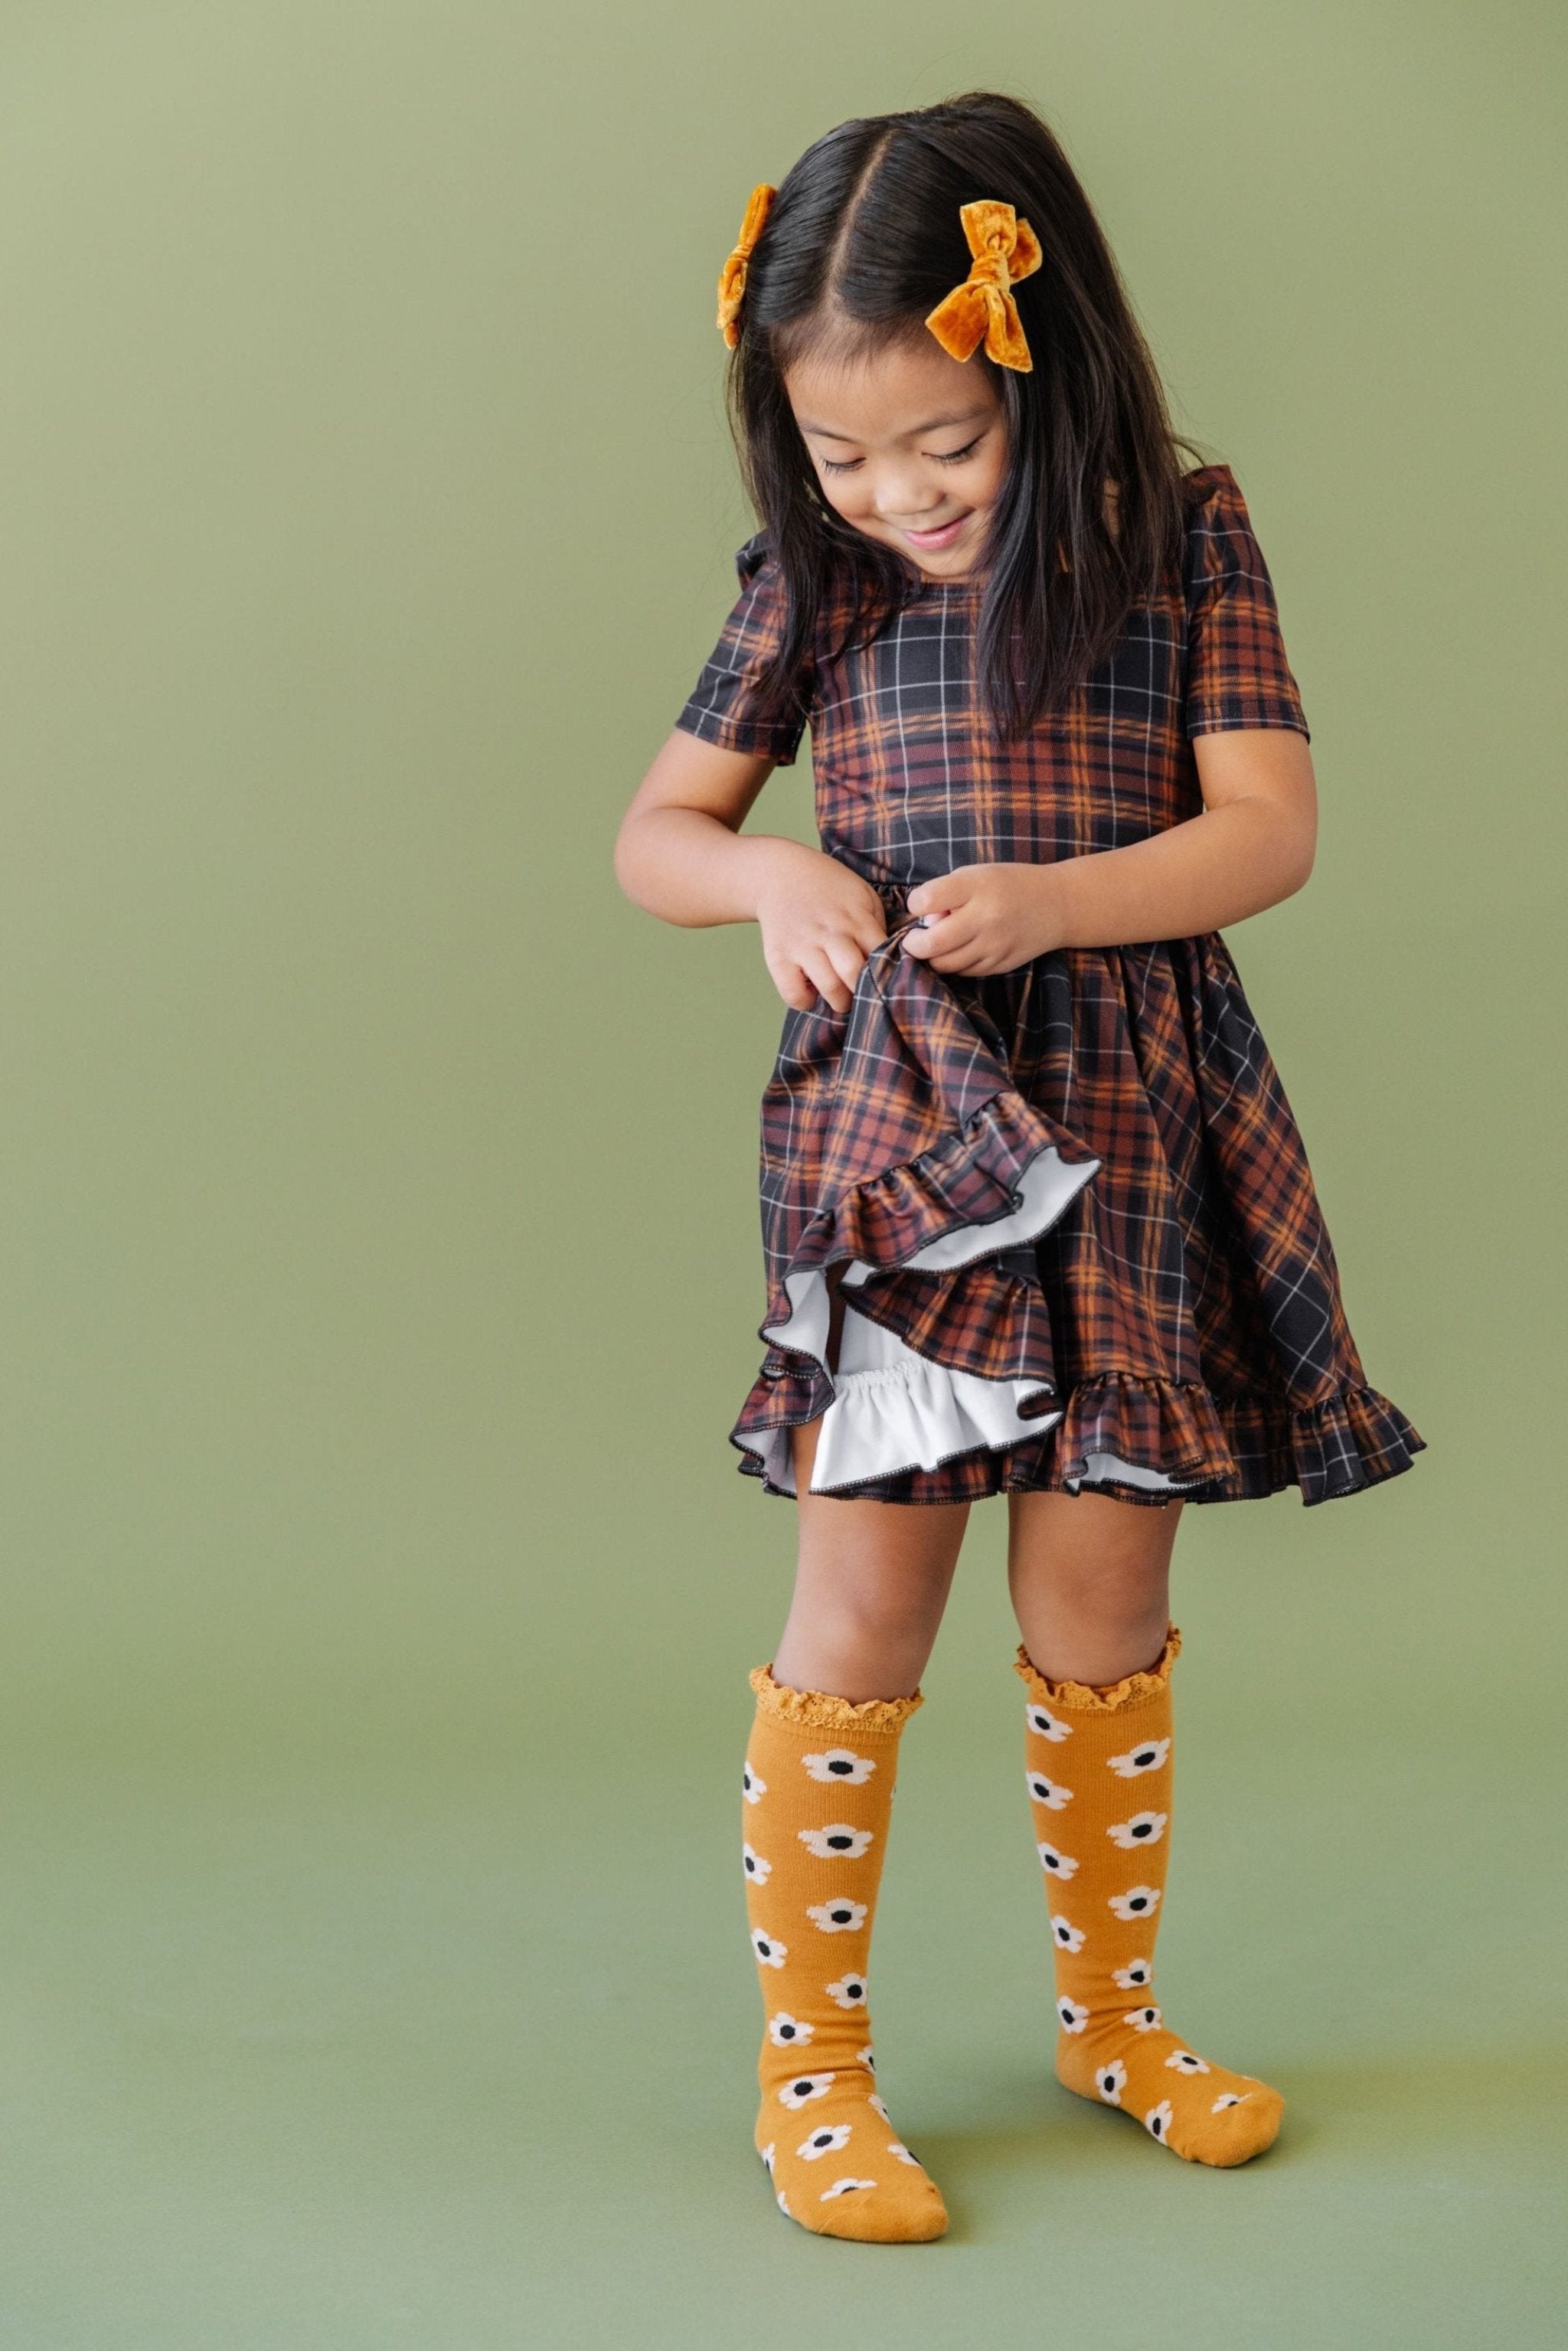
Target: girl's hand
x,y
818,921
985,918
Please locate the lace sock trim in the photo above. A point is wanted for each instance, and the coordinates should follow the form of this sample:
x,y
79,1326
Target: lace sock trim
x,y
1085,1698
819,1710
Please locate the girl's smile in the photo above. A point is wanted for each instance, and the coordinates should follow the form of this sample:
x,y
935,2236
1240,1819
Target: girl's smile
x,y
943,536
909,445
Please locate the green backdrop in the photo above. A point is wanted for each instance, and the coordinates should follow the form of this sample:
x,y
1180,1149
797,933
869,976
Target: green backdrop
x,y
381,1258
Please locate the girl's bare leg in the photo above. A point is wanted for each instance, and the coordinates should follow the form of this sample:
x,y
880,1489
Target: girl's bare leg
x,y
870,1583
1090,1578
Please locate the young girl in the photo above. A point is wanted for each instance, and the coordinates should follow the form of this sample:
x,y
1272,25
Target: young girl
x,y
1037,1217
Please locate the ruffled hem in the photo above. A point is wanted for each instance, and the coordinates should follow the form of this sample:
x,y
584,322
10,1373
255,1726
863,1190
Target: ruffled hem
x,y
870,1718
968,1210
1352,1439
959,1199
1142,1439
912,1411
1084,1697
1162,1428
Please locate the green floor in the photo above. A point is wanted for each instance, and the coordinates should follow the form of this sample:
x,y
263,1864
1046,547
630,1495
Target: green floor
x,y
382,2054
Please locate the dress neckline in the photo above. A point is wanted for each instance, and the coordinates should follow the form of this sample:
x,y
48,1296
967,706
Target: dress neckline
x,y
966,583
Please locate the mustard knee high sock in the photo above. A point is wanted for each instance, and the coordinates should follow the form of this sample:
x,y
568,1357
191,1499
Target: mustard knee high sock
x,y
817,1792
1099,1773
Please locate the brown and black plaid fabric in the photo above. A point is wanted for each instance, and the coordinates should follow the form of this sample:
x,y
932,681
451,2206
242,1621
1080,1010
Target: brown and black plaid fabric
x,y
1184,1312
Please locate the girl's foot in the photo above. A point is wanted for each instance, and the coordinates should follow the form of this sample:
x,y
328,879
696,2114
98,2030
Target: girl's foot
x,y
1131,2061
837,2166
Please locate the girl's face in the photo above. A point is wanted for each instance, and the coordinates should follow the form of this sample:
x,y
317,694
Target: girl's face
x,y
910,446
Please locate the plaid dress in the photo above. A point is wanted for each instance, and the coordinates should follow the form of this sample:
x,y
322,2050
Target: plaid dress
x,y
1068,1204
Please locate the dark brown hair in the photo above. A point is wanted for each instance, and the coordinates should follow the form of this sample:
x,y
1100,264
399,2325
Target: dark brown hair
x,y
863,239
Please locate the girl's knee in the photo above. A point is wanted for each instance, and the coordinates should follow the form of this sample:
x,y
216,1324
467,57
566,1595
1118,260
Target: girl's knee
x,y
1091,1539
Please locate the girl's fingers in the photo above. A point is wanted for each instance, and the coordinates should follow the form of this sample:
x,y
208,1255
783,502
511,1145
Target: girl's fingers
x,y
828,980
953,954
791,982
830,968
932,939
847,959
867,926
940,895
812,977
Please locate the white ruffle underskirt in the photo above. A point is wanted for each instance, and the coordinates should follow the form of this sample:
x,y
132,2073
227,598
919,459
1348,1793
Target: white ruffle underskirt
x,y
894,1409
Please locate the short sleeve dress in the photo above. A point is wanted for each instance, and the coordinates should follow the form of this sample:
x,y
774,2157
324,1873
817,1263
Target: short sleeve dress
x,y
1077,1236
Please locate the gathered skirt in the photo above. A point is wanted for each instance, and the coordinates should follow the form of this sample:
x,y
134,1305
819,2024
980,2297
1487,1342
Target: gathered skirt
x,y
1076,1238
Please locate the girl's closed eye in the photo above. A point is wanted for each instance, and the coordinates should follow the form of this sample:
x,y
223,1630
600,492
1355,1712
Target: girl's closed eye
x,y
941,456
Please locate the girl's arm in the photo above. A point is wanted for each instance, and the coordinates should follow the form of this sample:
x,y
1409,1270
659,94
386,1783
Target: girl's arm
x,y
680,855
1253,845
679,852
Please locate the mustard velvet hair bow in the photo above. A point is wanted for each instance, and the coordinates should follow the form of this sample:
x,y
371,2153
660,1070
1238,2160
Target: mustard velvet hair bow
x,y
1005,249
732,276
